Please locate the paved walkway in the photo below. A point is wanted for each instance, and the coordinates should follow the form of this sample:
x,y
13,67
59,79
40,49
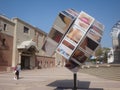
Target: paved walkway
x,y
55,79
111,73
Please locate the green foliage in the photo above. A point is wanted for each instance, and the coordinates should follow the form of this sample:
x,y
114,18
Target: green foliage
x,y
98,52
101,54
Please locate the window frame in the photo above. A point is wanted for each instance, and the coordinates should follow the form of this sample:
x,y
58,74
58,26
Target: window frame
x,y
26,30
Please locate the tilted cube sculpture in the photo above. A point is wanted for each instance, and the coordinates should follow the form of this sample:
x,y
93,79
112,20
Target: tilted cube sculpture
x,y
75,36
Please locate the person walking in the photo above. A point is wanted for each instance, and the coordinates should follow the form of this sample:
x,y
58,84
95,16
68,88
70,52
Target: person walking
x,y
17,71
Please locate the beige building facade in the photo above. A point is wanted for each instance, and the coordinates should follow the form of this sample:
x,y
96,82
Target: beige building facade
x,y
26,44
21,43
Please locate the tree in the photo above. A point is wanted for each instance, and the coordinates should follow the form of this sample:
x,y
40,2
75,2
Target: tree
x,y
101,54
98,52
105,54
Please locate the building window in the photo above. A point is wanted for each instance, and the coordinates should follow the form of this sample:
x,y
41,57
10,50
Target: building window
x,y
5,27
0,26
26,30
3,41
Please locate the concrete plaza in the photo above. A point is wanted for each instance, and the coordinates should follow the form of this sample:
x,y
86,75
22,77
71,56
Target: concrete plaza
x,y
58,78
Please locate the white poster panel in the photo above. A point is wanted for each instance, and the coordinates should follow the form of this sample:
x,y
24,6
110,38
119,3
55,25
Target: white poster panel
x,y
96,31
94,36
73,12
69,15
62,23
77,59
97,27
88,45
75,34
84,21
65,49
70,41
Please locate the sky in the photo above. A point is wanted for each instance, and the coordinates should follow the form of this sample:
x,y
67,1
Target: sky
x,y
42,13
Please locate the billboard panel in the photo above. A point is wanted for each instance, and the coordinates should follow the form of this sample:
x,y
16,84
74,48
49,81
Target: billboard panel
x,y
62,23
98,27
70,41
80,56
73,12
65,49
96,31
68,15
55,35
88,45
75,34
94,36
84,21
49,47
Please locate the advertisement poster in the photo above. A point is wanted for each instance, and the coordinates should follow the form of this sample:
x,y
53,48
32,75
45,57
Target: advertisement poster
x,y
62,23
94,36
97,27
69,15
80,56
84,21
55,35
73,12
96,31
70,41
65,49
88,45
49,47
75,34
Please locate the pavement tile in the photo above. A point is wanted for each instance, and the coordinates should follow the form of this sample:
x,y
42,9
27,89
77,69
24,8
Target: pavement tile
x,y
58,78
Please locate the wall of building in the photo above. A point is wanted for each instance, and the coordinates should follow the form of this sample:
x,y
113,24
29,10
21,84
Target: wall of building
x,y
6,42
34,34
19,37
6,50
14,35
45,62
6,26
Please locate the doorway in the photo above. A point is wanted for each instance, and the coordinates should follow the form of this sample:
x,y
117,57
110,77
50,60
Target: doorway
x,y
25,62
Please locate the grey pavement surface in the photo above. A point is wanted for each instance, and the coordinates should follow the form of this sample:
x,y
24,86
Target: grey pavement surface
x,y
111,73
59,78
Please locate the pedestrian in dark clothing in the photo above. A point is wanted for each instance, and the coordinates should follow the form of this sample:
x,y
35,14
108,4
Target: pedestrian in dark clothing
x,y
17,71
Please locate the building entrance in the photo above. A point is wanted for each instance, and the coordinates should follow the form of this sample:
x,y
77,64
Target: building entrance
x,y
25,62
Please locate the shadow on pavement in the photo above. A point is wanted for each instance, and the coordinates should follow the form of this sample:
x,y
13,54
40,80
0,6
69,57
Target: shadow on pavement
x,y
68,84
